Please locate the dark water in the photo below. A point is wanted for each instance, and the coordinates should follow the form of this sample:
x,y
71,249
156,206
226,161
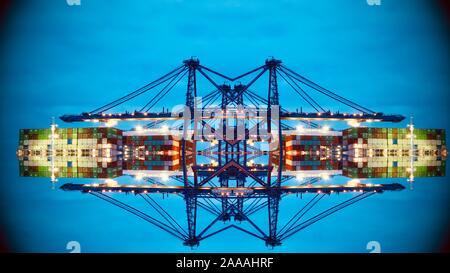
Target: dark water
x,y
57,59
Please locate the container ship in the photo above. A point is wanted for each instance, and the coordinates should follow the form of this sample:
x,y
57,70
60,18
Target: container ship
x,y
71,152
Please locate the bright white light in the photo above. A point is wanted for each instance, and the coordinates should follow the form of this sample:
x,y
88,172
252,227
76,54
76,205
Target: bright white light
x,y
110,182
139,128
353,182
326,128
299,177
299,128
164,177
250,163
325,176
164,128
139,176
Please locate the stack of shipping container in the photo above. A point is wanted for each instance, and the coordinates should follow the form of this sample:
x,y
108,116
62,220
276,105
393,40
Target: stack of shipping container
x,y
151,152
70,152
390,141
154,152
387,152
312,152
